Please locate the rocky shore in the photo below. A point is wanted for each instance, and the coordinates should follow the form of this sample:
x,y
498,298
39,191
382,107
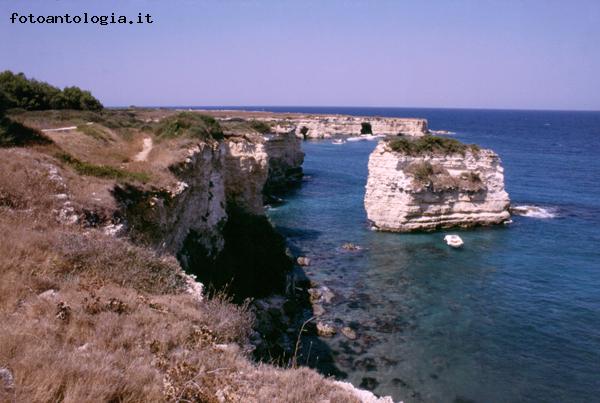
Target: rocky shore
x,y
105,227
322,126
434,183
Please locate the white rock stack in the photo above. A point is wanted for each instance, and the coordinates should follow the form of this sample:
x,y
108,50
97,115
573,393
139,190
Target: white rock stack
x,y
407,192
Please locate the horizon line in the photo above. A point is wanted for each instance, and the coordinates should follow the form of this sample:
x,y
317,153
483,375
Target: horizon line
x,y
348,107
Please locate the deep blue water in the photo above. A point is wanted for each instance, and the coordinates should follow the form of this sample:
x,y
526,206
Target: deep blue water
x,y
514,316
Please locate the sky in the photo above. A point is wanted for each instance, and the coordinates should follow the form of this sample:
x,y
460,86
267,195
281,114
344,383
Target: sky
x,y
512,54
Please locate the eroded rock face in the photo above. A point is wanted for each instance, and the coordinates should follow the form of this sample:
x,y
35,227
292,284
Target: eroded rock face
x,y
257,165
326,126
210,176
196,203
285,160
247,169
426,192
213,217
331,125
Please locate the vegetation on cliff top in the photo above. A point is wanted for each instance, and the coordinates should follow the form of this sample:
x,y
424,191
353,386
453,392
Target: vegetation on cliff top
x,y
260,126
18,91
415,146
90,317
190,124
101,171
438,179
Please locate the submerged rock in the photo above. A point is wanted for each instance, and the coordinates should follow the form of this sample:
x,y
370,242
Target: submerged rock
x,y
351,247
318,310
321,294
349,333
325,329
369,383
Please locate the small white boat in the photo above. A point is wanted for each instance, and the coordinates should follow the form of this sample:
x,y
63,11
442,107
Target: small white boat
x,y
454,241
338,141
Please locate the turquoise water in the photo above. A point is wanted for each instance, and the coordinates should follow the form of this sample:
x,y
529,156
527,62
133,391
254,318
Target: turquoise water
x,y
513,317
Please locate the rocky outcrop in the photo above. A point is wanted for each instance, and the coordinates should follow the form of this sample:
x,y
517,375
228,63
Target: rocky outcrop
x,y
327,126
213,217
258,165
165,217
427,191
211,176
246,173
285,160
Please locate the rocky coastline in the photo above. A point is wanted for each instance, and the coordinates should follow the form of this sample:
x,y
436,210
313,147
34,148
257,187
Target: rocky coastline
x,y
197,194
324,126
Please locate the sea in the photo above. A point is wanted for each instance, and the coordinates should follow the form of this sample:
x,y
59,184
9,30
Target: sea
x,y
513,316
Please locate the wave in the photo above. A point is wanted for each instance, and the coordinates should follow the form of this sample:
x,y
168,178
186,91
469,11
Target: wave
x,y
532,211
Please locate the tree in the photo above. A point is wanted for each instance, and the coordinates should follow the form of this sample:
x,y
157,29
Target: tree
x,y
22,92
3,103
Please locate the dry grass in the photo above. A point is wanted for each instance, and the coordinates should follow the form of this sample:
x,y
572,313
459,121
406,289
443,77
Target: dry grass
x,y
91,318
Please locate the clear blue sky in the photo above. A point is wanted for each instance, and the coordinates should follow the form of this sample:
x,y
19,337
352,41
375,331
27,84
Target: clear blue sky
x,y
536,54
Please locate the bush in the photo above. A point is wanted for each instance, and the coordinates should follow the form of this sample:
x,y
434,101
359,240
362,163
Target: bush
x,y
190,124
429,145
3,103
365,128
422,172
18,91
101,171
260,126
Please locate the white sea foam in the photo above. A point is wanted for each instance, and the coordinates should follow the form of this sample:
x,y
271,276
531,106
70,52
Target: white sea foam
x,y
534,211
442,132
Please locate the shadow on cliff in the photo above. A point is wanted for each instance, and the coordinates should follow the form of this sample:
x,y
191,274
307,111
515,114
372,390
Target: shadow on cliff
x,y
253,262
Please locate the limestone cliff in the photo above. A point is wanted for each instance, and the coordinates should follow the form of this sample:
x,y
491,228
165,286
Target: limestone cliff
x,y
213,218
327,126
165,217
261,164
320,126
408,191
247,169
285,161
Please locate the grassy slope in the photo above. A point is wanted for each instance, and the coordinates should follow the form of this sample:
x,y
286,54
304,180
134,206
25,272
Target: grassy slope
x,y
88,317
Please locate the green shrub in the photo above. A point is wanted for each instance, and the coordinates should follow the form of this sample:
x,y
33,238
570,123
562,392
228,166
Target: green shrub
x,y
190,124
365,128
422,171
429,145
101,171
21,92
4,103
260,126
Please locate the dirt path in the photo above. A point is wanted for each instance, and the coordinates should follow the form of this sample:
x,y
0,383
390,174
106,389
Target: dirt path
x,y
147,147
64,129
